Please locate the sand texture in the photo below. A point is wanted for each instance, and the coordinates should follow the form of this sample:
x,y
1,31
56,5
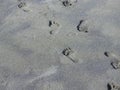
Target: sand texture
x,y
59,44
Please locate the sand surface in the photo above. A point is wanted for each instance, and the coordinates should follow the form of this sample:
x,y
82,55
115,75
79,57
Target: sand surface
x,y
59,44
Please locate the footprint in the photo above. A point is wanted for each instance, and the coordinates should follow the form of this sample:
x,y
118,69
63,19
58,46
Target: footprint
x,y
111,55
22,5
82,26
54,26
113,86
115,64
115,59
68,3
68,52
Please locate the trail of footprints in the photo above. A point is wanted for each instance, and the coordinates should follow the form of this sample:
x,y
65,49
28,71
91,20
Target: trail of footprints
x,y
81,27
116,61
116,65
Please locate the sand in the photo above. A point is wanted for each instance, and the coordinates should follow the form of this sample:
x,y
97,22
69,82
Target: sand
x,y
59,44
